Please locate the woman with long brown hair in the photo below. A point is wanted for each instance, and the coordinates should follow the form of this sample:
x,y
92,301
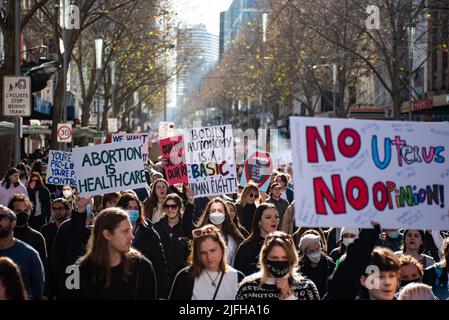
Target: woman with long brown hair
x,y
207,276
153,204
11,282
41,200
111,268
246,205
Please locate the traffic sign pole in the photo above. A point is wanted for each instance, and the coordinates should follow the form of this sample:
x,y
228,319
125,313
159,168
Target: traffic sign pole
x,y
17,121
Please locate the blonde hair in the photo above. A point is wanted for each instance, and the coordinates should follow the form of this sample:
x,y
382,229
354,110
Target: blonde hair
x,y
416,291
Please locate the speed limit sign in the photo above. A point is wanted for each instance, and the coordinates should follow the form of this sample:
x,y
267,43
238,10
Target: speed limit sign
x,y
64,132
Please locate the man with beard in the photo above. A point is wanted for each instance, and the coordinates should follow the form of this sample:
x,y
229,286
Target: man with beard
x,y
21,253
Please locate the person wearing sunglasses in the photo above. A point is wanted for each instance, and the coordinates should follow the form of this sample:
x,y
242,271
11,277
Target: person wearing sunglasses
x,y
173,237
217,213
40,198
147,240
207,275
278,277
22,254
266,220
246,205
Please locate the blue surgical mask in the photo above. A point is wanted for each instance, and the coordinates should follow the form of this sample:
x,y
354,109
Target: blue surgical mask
x,y
394,234
89,209
133,216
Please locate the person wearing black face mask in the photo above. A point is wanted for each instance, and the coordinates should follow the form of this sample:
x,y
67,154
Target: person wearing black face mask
x,y
278,278
22,254
410,270
23,207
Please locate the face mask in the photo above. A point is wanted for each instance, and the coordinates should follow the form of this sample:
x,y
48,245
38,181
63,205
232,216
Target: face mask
x,y
348,241
67,193
394,234
314,257
406,282
278,268
217,218
133,216
22,219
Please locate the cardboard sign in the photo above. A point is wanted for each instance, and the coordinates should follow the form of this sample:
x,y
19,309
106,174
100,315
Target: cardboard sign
x,y
352,172
257,168
210,179
174,158
209,144
142,137
60,169
109,167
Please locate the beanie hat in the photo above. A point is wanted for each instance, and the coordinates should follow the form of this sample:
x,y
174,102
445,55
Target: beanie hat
x,y
344,230
308,239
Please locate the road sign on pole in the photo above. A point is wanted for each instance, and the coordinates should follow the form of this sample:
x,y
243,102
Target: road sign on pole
x,y
16,96
64,132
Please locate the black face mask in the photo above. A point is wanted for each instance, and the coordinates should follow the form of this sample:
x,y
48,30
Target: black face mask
x,y
278,268
406,282
22,219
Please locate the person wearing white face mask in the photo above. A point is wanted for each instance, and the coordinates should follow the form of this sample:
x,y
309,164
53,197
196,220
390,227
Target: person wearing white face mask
x,y
347,236
69,194
217,213
313,261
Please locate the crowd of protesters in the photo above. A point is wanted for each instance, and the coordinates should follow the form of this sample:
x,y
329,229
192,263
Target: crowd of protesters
x,y
161,242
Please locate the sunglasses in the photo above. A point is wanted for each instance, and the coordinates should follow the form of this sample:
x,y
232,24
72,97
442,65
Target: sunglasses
x,y
253,195
171,206
202,232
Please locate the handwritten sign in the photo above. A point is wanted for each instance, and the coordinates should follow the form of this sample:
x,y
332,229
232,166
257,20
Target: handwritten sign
x,y
109,167
173,155
60,169
351,172
143,137
210,179
258,168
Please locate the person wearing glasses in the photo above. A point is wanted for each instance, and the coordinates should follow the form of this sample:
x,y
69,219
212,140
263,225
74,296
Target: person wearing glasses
x,y
266,220
147,240
40,198
61,210
278,277
207,275
246,205
11,185
111,269
217,213
313,261
22,254
173,238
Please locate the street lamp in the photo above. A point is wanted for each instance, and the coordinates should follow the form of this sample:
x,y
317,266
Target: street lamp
x,y
98,64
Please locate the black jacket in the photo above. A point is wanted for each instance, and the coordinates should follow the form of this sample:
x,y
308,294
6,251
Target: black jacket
x,y
344,283
45,200
247,256
141,284
49,232
176,246
319,274
69,245
148,242
246,215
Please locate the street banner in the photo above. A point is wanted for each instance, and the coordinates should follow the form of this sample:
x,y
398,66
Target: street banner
x,y
60,169
354,172
212,179
109,167
174,159
209,144
143,137
258,168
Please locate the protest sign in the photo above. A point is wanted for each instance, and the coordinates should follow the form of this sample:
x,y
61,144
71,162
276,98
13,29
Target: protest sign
x,y
209,179
143,137
174,159
166,129
109,167
258,168
352,172
209,144
60,169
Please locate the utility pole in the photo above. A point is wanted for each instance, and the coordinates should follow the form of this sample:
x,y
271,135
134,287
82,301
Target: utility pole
x,y
17,120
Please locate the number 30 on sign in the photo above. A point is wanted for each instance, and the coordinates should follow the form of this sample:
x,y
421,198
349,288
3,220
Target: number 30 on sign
x,y
64,132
